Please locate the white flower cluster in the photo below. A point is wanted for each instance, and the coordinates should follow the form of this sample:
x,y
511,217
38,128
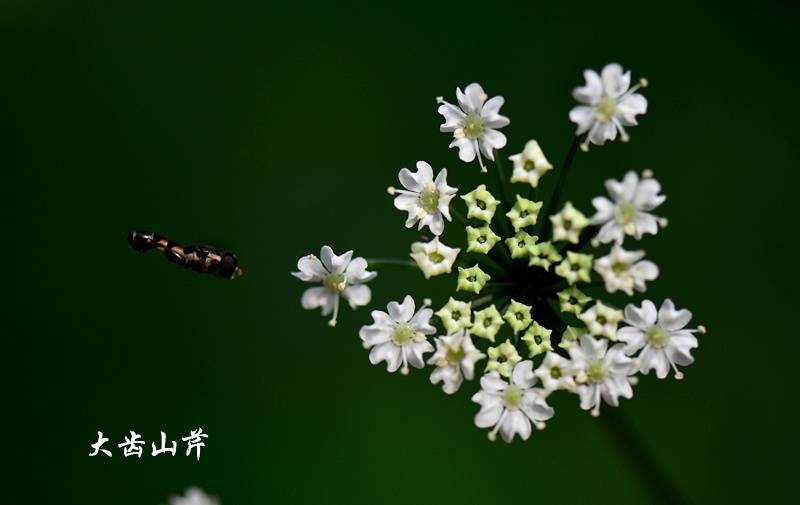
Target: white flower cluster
x,y
523,271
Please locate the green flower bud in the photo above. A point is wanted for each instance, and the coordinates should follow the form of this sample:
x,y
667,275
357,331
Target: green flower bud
x,y
481,240
480,204
486,323
455,315
471,279
543,255
502,359
568,223
573,300
518,316
524,213
571,336
538,339
520,244
577,267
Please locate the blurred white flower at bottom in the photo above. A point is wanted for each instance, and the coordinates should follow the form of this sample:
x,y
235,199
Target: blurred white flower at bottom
x,y
194,496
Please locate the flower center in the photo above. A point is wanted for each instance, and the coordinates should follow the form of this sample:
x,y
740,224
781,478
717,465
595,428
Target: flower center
x,y
481,204
601,320
627,211
605,108
596,371
519,315
512,397
435,257
657,336
429,199
403,334
473,126
555,372
455,355
619,267
456,314
335,282
529,165
488,322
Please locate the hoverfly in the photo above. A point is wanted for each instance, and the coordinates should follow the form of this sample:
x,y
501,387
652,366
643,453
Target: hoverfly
x,y
205,259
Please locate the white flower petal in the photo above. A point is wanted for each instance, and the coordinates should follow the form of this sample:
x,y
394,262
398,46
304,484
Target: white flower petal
x,y
535,406
357,296
522,376
335,264
591,93
453,117
642,318
356,272
615,80
489,415
310,269
387,352
466,149
671,319
410,180
631,106
515,422
492,383
319,297
401,312
473,98
634,339
583,116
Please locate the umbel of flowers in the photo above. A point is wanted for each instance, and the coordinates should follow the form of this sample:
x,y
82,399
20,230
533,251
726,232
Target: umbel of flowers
x,y
527,316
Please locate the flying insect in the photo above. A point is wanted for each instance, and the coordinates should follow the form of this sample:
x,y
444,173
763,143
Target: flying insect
x,y
203,258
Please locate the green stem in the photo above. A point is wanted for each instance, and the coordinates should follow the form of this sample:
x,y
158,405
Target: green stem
x,y
483,300
555,200
505,200
640,460
390,261
486,262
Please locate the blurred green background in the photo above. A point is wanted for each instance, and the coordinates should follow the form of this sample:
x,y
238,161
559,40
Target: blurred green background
x,y
273,129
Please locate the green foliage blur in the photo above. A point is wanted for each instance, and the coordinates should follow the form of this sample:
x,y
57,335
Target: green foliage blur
x,y
271,129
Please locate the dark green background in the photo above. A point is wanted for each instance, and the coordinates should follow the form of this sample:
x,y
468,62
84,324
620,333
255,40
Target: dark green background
x,y
272,130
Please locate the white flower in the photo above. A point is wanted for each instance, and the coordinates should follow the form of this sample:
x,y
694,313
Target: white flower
x,y
629,212
568,224
529,165
511,408
398,337
455,359
556,372
608,104
433,258
426,200
625,270
602,320
474,123
602,372
338,275
194,496
661,336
